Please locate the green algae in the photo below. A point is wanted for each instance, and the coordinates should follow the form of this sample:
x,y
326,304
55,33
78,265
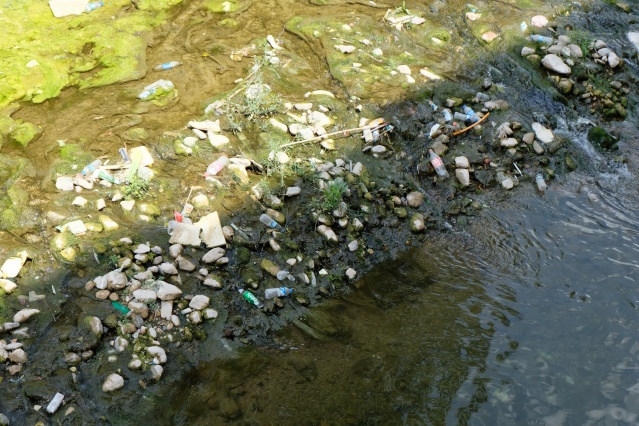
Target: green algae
x,y
24,133
95,49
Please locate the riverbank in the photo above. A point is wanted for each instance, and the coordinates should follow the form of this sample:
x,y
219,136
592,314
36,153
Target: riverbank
x,y
346,205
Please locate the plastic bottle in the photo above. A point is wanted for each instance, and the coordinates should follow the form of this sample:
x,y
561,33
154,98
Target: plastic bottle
x,y
106,176
541,39
270,222
432,105
271,293
92,6
90,168
447,115
523,26
541,183
471,116
215,167
124,155
437,163
120,307
251,298
459,116
55,403
153,87
167,65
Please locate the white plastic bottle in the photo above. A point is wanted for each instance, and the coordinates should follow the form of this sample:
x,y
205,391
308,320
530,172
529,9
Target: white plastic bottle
x,y
541,39
541,183
90,168
215,167
437,163
269,221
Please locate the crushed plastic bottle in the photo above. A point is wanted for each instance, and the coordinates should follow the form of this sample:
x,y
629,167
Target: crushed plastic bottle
x,y
90,168
432,105
153,87
541,39
270,222
251,298
91,6
437,163
167,65
271,293
216,166
125,155
541,183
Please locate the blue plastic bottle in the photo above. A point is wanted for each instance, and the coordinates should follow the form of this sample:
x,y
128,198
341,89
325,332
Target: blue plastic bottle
x,y
93,5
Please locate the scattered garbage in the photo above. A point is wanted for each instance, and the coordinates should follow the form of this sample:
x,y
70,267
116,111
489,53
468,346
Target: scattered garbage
x,y
541,183
432,105
167,66
215,167
271,223
153,87
91,6
55,403
437,163
447,115
271,293
124,155
251,298
90,168
471,116
541,39
118,306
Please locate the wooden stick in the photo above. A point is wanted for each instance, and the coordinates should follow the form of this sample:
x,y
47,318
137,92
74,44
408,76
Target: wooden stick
x,y
471,126
345,132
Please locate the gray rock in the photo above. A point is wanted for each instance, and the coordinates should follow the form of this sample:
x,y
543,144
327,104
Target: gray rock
x,y
142,249
556,64
195,317
64,183
24,314
538,148
120,344
210,313
158,353
4,420
166,309
175,250
18,356
213,255
463,176
417,223
327,233
415,199
156,372
542,133
116,280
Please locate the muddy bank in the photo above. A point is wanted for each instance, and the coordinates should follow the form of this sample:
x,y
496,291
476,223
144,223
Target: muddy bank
x,y
345,204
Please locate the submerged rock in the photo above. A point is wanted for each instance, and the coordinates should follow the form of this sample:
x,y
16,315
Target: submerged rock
x,y
112,383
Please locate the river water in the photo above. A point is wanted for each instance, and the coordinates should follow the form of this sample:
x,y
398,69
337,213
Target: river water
x,y
528,319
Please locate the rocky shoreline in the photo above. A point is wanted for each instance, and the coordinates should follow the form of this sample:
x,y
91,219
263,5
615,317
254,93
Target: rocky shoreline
x,y
339,202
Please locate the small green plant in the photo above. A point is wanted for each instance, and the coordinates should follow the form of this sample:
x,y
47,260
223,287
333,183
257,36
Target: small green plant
x,y
137,188
113,260
332,196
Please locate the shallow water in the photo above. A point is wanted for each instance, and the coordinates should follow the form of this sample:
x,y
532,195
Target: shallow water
x,y
530,321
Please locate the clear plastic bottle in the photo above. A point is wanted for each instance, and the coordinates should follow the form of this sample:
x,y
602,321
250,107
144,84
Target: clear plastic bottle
x,y
432,105
541,183
271,293
448,116
125,155
153,87
90,168
167,65
92,6
251,298
108,177
471,116
270,222
541,39
215,167
437,163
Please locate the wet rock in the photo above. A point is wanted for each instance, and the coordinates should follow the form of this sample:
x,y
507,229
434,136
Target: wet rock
x,y
120,344
100,204
539,150
489,36
613,60
112,383
269,267
108,223
542,133
210,314
156,372
353,245
508,142
166,309
127,205
142,249
404,69
135,364
157,353
415,199
195,317
327,233
145,295
168,268
102,294
200,201
116,280
76,227
18,356
7,286
528,138
556,64
71,358
64,183
216,140
184,264
213,255
24,314
140,308
463,176
292,191
212,282
175,250
462,162
199,302
4,420
507,183
350,273
168,291
526,51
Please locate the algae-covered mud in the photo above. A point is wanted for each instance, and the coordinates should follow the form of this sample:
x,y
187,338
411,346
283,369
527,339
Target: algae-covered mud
x,y
147,208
